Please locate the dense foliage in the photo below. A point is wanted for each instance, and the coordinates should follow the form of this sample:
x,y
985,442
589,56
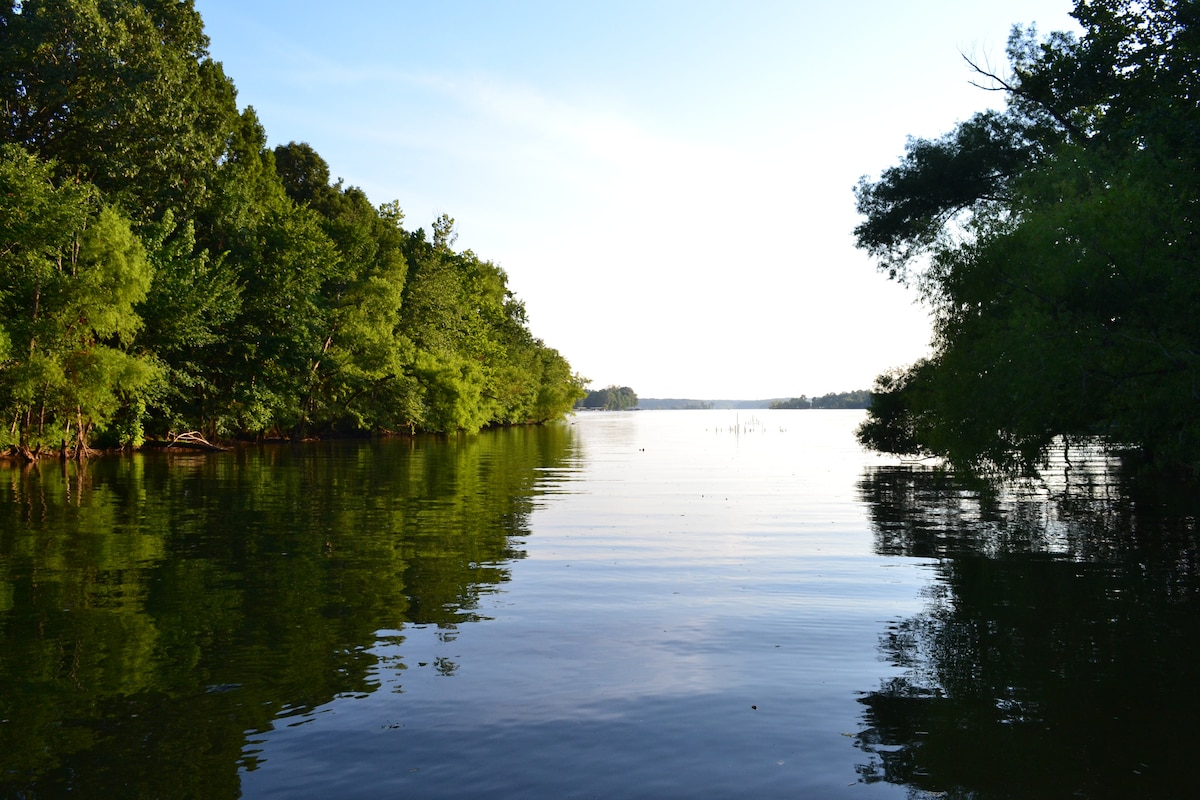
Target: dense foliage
x,y
610,398
162,270
1056,244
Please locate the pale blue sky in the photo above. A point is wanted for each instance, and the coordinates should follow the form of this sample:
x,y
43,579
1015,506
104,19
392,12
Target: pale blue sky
x,y
667,183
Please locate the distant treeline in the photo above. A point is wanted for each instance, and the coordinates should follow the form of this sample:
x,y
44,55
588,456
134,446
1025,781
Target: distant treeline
x,y
163,271
660,404
856,399
667,404
610,398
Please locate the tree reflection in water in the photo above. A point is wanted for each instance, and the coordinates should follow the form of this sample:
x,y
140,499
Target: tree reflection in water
x,y
157,610
1059,651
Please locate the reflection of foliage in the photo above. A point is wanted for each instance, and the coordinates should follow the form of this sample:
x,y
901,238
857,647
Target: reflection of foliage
x,y
153,610
1059,650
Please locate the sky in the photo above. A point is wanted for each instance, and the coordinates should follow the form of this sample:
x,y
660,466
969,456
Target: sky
x,y
667,183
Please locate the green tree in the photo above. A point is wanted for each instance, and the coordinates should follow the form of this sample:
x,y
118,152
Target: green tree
x,y
305,175
476,362
119,93
72,272
1055,242
259,368
445,313
364,377
363,348
193,300
279,304
560,387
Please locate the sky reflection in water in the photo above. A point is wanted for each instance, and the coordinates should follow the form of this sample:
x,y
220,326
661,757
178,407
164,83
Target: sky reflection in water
x,y
696,611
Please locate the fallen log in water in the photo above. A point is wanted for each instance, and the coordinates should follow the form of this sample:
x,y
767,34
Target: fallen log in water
x,y
192,440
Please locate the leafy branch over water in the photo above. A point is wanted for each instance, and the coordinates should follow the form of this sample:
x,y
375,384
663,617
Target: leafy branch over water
x,y
1056,244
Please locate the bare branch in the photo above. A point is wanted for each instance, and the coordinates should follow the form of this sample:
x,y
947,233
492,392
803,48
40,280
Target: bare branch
x,y
1004,86
1001,85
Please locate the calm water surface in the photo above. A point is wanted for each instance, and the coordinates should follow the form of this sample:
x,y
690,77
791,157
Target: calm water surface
x,y
649,604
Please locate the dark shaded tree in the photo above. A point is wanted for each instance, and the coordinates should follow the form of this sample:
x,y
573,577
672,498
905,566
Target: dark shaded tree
x,y
1055,243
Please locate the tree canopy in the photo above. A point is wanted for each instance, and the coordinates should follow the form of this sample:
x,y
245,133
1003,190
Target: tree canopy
x,y
165,271
1055,242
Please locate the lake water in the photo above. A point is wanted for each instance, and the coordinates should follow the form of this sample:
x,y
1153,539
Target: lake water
x,y
642,604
